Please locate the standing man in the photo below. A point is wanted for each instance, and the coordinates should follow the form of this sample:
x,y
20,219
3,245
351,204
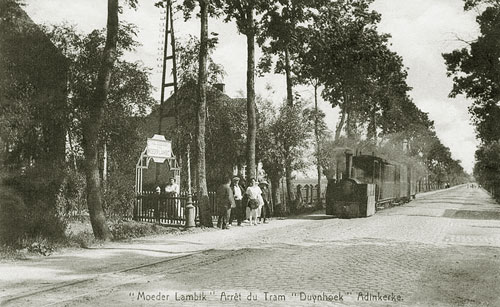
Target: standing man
x,y
225,201
265,211
238,211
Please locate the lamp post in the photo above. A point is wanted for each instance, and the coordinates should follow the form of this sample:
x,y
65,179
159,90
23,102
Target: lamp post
x,y
190,210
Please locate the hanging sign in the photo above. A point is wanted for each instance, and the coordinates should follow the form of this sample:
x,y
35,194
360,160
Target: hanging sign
x,y
159,148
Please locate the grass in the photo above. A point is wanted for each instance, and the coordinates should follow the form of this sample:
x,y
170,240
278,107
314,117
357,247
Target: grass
x,y
79,235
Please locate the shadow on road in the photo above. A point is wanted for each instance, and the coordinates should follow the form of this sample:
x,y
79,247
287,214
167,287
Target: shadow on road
x,y
311,217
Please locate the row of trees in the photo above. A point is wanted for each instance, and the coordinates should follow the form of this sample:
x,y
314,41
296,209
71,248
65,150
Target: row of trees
x,y
332,46
475,70
335,47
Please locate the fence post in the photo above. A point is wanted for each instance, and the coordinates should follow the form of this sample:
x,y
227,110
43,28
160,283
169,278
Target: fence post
x,y
136,207
157,209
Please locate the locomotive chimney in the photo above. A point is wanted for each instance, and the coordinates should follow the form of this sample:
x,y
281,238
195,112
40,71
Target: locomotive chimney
x,y
348,163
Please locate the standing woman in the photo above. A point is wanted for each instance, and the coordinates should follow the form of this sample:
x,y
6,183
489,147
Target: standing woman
x,y
253,193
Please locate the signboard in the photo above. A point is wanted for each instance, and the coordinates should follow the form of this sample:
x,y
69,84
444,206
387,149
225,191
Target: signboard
x,y
159,148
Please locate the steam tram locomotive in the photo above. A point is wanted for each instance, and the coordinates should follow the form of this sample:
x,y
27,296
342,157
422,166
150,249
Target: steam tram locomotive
x,y
369,182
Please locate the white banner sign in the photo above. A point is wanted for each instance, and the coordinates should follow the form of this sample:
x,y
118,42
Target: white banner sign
x,y
159,148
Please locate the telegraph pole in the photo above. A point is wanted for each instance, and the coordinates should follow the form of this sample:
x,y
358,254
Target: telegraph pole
x,y
168,58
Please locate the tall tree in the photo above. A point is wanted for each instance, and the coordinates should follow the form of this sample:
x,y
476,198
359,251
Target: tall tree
x,y
280,37
206,7
475,70
316,117
284,136
129,100
93,120
342,40
244,13
205,217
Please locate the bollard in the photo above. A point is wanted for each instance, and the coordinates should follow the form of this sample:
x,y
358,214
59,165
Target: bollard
x,y
190,213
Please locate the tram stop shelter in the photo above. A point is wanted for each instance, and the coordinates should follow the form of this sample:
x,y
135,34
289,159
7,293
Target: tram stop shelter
x,y
156,165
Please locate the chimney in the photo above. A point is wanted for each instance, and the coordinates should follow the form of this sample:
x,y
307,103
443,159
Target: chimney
x,y
220,86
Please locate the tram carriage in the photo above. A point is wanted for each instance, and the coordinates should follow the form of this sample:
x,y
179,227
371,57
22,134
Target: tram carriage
x,y
370,182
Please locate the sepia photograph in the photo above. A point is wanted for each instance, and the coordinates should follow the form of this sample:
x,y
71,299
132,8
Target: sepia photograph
x,y
249,153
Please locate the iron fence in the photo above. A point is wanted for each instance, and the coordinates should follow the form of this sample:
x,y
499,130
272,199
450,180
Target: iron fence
x,y
167,209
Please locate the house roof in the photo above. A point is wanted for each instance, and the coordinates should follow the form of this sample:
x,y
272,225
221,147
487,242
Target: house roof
x,y
187,97
15,22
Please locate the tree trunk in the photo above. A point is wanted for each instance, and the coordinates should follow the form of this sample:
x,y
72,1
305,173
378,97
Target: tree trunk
x,y
92,124
275,184
205,215
72,149
252,129
105,163
289,192
340,125
289,99
349,124
288,74
316,134
373,125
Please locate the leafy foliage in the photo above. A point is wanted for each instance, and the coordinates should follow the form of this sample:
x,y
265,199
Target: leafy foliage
x,y
129,101
475,71
282,26
33,117
283,138
487,167
187,61
12,216
123,230
225,130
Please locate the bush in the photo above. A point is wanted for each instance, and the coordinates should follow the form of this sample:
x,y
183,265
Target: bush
x,y
131,229
119,195
12,217
71,200
42,247
83,239
38,189
7,252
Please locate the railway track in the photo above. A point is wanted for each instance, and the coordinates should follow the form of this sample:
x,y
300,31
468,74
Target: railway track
x,y
57,294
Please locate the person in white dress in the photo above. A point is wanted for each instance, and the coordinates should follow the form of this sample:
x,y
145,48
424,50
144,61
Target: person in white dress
x,y
172,189
254,200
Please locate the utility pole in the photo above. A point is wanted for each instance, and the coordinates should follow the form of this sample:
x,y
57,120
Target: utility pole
x,y
168,57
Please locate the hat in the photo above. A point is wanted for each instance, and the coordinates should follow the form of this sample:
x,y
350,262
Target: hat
x,y
236,178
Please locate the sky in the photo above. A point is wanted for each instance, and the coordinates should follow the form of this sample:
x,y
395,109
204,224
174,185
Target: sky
x,y
421,31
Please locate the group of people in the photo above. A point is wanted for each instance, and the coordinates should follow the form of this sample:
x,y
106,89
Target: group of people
x,y
240,204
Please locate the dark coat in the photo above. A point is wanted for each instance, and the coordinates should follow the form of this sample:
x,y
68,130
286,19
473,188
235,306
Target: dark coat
x,y
241,189
265,195
225,197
